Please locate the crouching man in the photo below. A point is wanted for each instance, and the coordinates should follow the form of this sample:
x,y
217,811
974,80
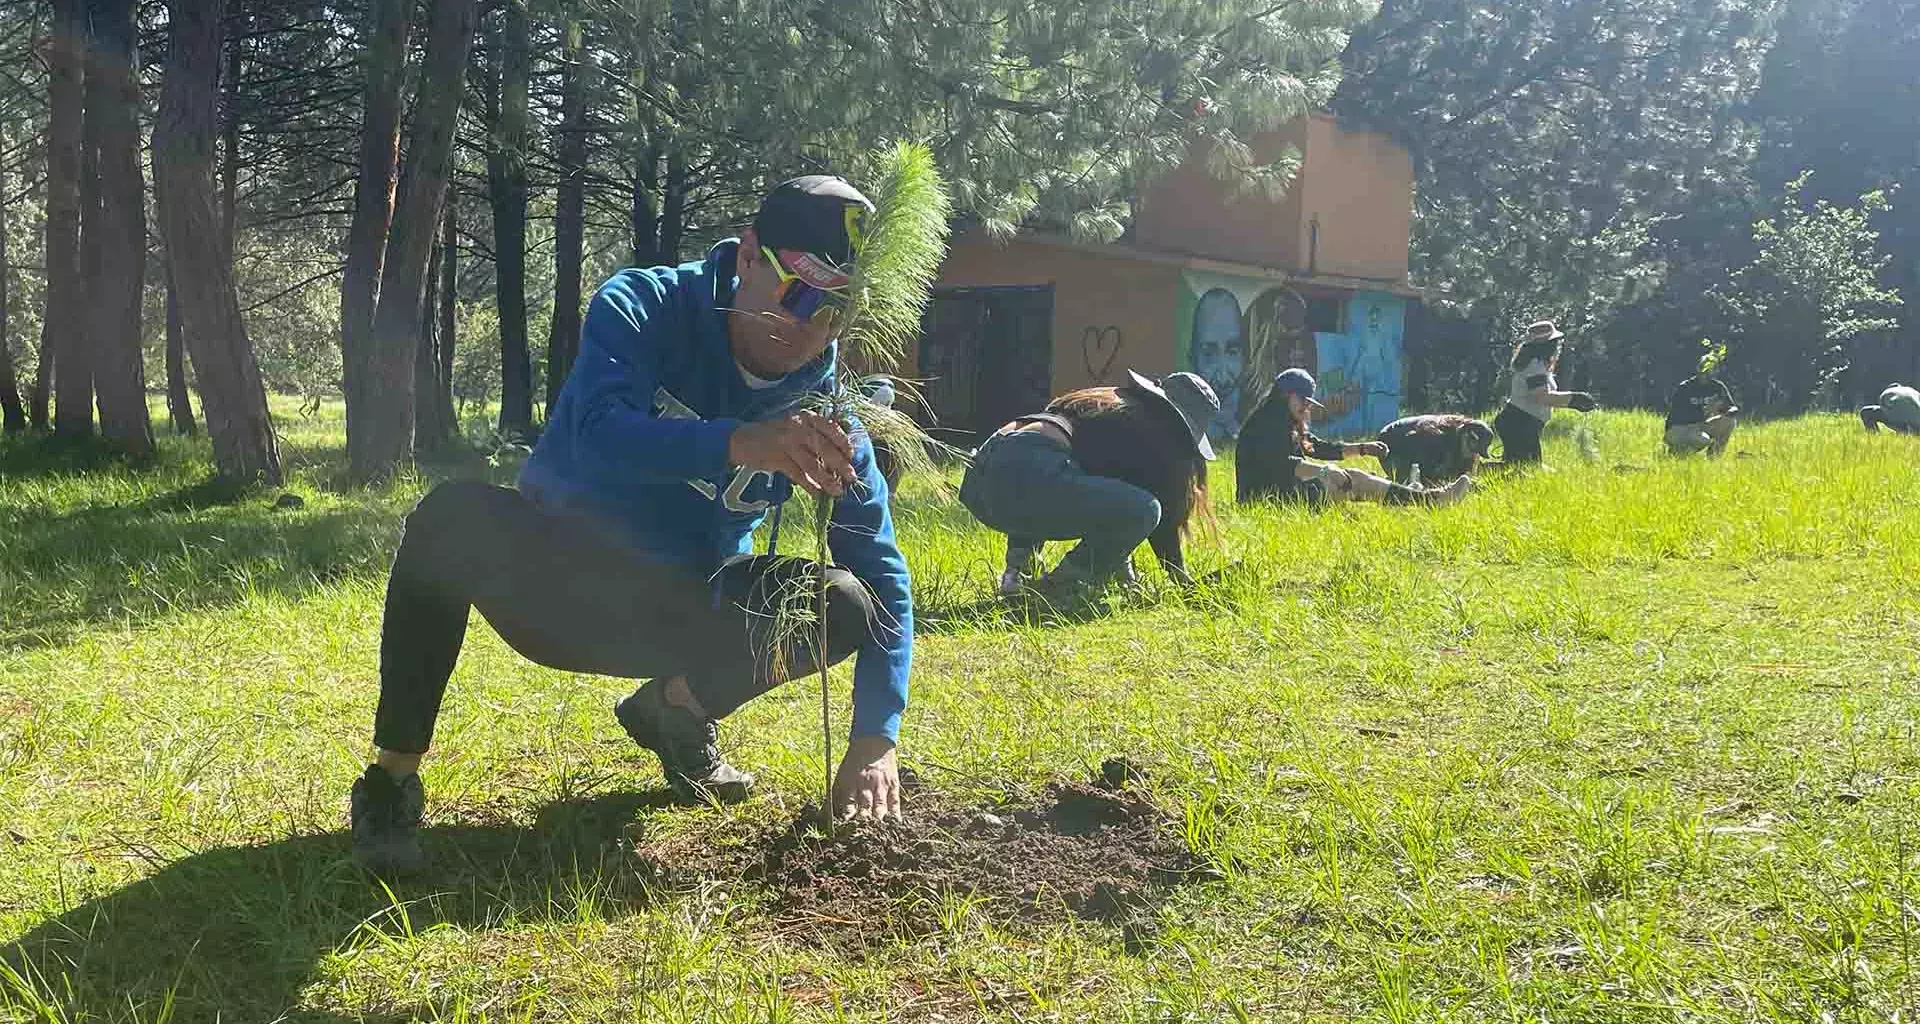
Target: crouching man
x,y
628,548
1700,416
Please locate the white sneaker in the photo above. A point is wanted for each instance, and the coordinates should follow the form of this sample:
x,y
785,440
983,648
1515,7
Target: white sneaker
x,y
1454,491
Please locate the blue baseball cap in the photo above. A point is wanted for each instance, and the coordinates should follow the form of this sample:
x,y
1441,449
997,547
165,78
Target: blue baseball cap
x,y
1296,381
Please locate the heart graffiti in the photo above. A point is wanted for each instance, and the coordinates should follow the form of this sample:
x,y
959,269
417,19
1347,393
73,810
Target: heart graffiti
x,y
1099,348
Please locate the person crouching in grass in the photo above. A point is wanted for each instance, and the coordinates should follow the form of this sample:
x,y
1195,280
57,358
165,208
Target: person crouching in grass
x,y
1108,466
1899,411
1436,446
1700,416
1277,447
627,549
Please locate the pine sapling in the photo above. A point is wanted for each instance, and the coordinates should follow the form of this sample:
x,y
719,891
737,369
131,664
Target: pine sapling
x,y
896,260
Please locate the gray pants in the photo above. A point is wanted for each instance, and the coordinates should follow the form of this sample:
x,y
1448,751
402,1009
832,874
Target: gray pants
x,y
1710,437
1875,416
1027,486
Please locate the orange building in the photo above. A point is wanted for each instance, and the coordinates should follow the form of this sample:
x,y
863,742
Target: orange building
x,y
1232,287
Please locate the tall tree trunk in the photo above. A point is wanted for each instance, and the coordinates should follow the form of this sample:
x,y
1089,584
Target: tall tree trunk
x,y
646,215
389,25
430,432
64,328
38,403
507,190
114,229
569,219
231,392
378,442
230,141
86,349
13,415
179,401
673,205
449,313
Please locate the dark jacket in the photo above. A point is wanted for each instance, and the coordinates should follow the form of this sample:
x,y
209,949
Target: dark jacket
x,y
1443,445
1269,454
1122,434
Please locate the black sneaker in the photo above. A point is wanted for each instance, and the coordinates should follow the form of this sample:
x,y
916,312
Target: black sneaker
x,y
684,742
386,822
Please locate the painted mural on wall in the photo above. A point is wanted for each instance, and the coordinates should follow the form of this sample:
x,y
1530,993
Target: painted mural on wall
x,y
1237,332
1217,350
1360,369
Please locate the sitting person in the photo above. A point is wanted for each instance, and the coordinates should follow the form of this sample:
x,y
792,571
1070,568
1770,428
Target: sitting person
x,y
1442,445
1275,445
1531,396
1700,416
1110,467
1899,411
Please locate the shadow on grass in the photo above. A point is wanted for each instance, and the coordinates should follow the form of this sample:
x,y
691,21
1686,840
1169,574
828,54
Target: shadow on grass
x,y
201,544
37,454
176,552
961,613
235,933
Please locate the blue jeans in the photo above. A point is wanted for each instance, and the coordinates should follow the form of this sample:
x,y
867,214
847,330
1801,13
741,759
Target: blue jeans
x,y
1027,486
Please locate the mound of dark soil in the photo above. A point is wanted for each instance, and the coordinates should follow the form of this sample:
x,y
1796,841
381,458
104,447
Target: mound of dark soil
x,y
1102,853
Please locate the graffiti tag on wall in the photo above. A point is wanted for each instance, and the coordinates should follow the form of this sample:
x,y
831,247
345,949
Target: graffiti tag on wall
x,y
1099,349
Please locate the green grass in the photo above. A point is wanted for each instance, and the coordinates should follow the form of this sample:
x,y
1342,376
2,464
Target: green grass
x,y
1628,740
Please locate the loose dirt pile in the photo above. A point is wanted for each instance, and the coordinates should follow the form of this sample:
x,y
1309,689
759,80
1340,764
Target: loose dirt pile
x,y
1102,852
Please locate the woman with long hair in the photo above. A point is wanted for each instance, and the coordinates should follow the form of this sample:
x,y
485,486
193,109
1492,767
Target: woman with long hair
x,y
1531,397
1107,466
1277,447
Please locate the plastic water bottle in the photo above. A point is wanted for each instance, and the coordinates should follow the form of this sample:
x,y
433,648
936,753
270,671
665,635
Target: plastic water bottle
x,y
1414,479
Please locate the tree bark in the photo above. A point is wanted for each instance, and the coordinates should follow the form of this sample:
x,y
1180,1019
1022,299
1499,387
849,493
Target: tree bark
x,y
230,141
87,327
430,431
41,399
13,415
231,392
507,190
389,25
179,401
449,313
380,438
673,206
569,219
646,215
114,228
64,328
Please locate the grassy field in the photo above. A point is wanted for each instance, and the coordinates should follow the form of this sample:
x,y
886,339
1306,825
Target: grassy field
x,y
1632,739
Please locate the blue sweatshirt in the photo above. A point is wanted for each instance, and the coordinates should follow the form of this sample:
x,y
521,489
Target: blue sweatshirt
x,y
639,437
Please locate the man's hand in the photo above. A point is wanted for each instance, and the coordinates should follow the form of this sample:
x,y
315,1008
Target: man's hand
x,y
806,447
1377,449
1580,401
868,783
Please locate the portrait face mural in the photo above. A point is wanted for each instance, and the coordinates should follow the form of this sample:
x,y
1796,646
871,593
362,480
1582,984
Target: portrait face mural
x,y
1218,352
1237,332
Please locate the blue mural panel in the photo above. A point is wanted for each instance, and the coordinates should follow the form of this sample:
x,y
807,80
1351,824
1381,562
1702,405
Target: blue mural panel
x,y
1359,372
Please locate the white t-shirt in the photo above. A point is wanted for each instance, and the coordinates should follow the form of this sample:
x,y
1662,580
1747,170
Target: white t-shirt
x,y
1526,380
1901,404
